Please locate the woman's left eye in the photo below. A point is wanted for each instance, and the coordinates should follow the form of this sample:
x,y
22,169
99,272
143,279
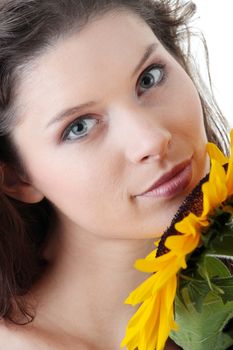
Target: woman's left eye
x,y
151,77
80,128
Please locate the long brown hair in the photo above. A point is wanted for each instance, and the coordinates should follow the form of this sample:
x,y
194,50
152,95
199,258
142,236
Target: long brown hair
x,y
27,28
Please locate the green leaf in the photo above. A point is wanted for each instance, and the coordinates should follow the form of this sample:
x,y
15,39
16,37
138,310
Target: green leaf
x,y
221,224
197,291
221,246
215,267
226,285
202,330
208,268
203,280
220,240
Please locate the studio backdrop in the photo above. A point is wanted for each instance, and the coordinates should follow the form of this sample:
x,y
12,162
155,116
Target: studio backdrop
x,y
215,19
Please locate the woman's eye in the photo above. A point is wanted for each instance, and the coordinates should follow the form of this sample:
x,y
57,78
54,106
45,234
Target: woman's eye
x,y
153,76
79,128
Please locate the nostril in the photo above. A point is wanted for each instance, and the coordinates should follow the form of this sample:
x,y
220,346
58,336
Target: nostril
x,y
151,157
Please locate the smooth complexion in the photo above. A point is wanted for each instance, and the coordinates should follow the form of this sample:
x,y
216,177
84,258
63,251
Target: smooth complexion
x,y
93,163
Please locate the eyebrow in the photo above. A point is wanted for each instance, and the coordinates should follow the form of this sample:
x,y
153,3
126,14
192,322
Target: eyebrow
x,y
149,50
77,109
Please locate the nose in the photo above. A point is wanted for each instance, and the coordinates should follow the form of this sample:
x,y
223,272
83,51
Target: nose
x,y
144,137
152,145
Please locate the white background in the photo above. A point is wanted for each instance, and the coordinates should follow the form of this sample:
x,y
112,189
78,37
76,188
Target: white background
x,y
215,19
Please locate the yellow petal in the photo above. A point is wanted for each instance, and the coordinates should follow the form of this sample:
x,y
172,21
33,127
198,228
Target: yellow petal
x,y
136,325
217,175
152,325
215,153
176,244
152,255
142,292
161,277
231,137
230,173
215,190
148,335
158,263
189,225
184,244
166,312
230,177
230,168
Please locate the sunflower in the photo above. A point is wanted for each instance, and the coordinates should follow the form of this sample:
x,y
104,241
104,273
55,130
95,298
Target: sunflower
x,y
150,326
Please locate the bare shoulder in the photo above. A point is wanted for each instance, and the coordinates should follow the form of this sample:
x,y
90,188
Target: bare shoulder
x,y
14,337
28,338
10,340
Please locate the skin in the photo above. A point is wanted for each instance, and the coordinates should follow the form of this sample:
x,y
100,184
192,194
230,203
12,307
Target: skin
x,y
102,225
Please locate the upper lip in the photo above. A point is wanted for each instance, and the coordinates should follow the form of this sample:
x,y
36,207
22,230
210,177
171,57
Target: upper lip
x,y
168,176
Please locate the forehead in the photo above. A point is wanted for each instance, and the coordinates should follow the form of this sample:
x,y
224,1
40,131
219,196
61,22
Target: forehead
x,y
116,34
86,62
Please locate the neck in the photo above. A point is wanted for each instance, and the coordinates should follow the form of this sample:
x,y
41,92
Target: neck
x,y
91,277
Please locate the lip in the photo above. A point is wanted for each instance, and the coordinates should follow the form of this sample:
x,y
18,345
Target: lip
x,y
172,182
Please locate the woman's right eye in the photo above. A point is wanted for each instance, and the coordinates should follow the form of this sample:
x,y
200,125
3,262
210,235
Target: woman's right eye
x,y
79,128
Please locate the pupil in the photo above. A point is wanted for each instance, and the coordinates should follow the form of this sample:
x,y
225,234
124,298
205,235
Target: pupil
x,y
78,127
148,80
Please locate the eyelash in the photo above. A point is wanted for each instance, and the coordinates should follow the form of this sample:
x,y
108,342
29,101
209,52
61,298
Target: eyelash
x,y
162,78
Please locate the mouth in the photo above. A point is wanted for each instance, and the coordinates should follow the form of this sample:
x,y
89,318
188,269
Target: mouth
x,y
171,183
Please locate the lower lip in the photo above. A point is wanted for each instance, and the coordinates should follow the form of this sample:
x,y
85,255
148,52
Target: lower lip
x,y
173,187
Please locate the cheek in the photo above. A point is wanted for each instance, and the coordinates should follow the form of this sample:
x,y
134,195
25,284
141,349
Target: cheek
x,y
188,108
76,185
187,125
89,201
195,121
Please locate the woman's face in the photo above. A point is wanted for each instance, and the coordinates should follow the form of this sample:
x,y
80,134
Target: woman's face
x,y
106,114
